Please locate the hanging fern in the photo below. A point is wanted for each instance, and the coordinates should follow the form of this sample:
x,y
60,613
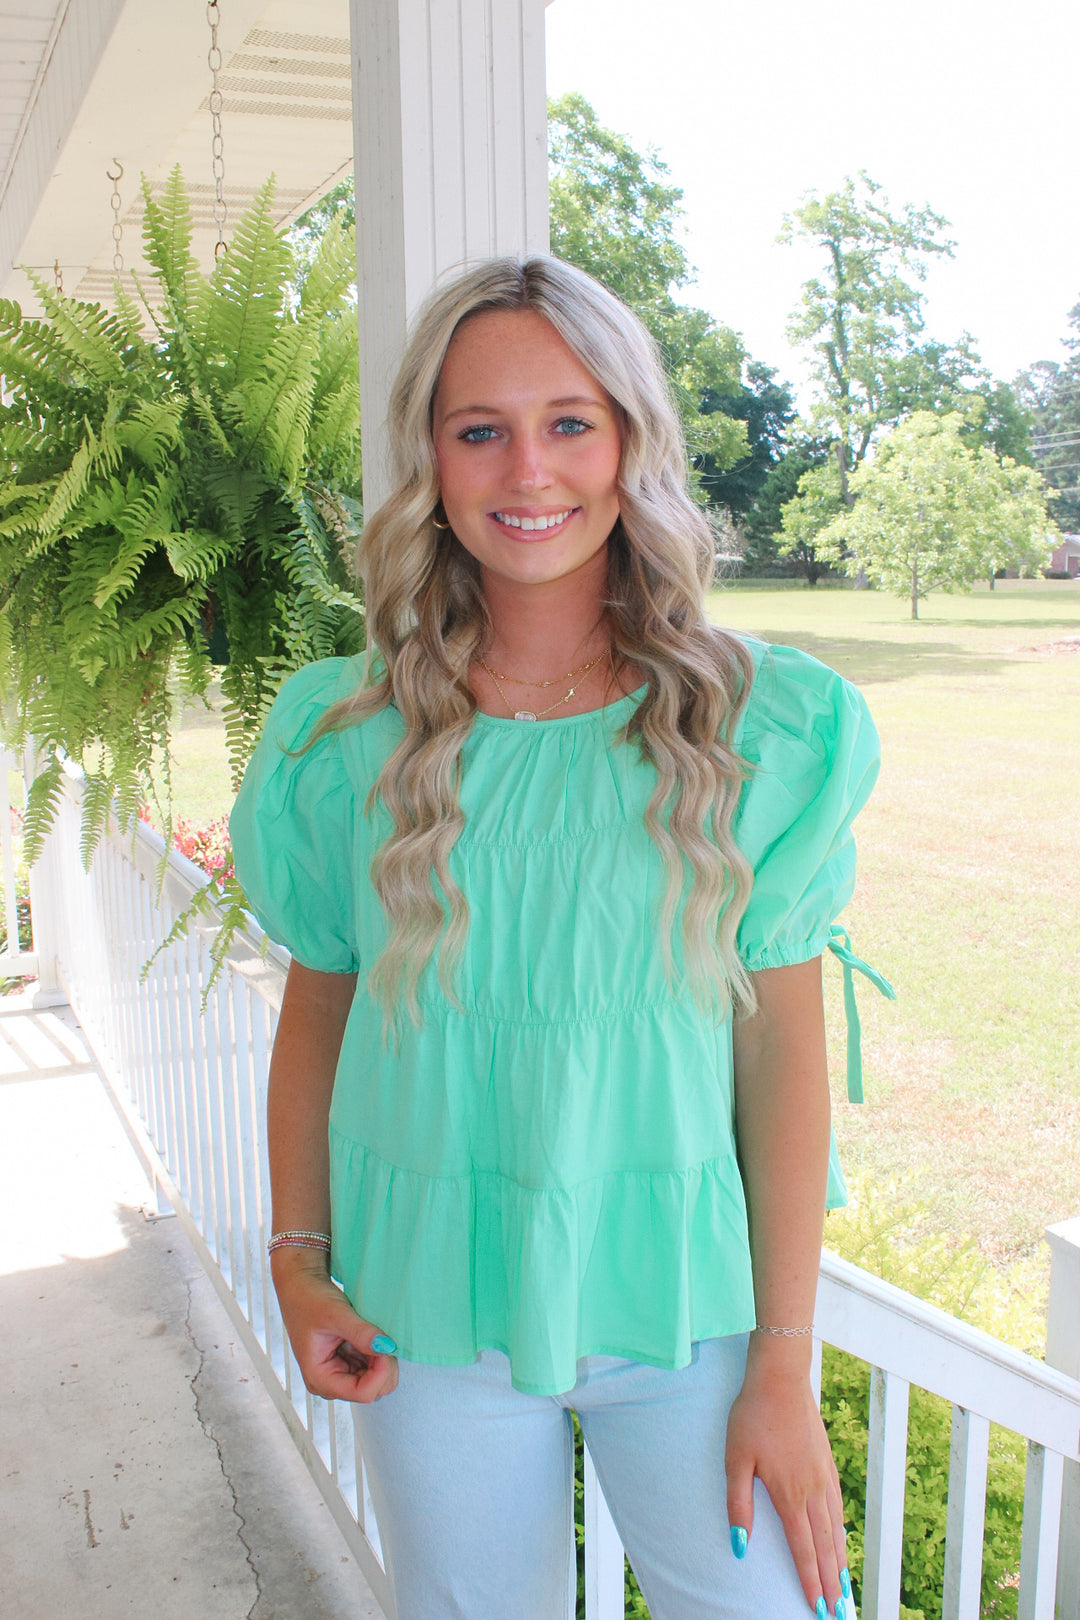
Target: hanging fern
x,y
158,492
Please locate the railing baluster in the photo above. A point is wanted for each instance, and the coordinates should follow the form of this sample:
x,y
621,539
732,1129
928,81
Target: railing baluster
x,y
886,1465
604,1566
1042,1528
968,1454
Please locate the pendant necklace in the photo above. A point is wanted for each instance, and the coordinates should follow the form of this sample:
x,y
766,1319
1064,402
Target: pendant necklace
x,y
529,714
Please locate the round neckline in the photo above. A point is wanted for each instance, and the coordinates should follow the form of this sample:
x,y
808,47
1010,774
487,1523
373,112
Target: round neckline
x,y
556,723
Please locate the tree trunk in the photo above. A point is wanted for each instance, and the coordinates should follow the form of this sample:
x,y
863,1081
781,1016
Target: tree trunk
x,y
991,579
914,590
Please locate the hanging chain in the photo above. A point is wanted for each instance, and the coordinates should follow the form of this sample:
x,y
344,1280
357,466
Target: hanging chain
x,y
58,277
118,227
217,145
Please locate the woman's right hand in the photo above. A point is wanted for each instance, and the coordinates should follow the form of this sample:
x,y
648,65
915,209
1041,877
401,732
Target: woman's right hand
x,y
331,1343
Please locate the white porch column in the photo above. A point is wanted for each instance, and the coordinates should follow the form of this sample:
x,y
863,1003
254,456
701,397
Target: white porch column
x,y
1063,1352
450,141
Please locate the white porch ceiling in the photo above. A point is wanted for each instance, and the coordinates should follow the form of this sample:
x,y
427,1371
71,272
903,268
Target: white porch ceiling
x,y
86,82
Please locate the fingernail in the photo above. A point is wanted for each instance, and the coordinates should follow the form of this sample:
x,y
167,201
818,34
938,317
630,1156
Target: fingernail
x,y
739,1538
821,1610
845,1583
841,1609
383,1345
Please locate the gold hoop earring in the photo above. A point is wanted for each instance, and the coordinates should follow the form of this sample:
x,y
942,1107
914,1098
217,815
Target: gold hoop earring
x,y
436,522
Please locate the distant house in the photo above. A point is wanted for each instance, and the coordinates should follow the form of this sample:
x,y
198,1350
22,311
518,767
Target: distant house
x,y
1066,559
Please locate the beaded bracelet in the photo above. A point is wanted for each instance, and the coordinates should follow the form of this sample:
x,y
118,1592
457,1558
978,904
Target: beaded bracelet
x,y
785,1332
298,1239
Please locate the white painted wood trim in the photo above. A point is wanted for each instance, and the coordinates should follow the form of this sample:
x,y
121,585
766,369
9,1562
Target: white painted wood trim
x,y
1039,1543
604,1578
883,1325
450,139
964,1529
886,1464
1063,1352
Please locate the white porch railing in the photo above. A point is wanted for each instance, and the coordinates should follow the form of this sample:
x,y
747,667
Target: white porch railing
x,y
192,1087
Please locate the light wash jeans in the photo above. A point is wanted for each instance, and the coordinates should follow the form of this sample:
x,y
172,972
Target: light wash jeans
x,y
472,1486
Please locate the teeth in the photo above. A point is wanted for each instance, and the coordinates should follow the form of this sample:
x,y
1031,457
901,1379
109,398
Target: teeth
x,y
530,524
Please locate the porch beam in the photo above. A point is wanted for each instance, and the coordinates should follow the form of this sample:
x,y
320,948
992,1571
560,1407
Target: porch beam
x,y
450,140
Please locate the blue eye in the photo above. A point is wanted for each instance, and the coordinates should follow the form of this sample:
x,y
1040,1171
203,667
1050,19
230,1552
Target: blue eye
x,y
480,434
572,427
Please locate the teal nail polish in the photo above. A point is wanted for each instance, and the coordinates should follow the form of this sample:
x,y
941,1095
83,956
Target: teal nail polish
x,y
383,1345
820,1609
841,1609
845,1583
739,1538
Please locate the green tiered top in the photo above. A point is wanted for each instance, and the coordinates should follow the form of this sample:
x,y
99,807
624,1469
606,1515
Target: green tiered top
x,y
549,1170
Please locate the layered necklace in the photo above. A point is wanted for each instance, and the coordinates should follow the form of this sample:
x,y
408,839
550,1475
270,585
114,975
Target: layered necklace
x,y
574,675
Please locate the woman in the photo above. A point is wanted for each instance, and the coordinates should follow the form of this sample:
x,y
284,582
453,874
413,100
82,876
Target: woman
x,y
556,874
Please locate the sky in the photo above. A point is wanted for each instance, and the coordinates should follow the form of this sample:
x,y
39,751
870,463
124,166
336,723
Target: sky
x,y
968,107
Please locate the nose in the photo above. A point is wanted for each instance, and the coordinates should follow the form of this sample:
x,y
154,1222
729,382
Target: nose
x,y
528,469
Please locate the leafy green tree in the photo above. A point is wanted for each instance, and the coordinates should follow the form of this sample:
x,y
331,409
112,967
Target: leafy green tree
x,y
932,512
161,500
944,377
1051,393
762,526
863,312
817,500
768,410
614,214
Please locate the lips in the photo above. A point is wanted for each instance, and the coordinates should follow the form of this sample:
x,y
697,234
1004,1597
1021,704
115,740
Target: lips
x,y
542,523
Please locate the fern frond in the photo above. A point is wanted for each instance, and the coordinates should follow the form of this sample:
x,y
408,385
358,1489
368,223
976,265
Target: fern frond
x,y
197,553
96,804
205,412
120,580
167,244
331,273
152,430
169,620
70,489
92,337
247,293
42,803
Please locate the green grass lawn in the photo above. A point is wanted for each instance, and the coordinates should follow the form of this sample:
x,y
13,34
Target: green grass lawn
x,y
967,896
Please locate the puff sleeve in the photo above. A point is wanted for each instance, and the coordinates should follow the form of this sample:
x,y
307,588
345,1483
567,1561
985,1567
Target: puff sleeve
x,y
292,827
808,735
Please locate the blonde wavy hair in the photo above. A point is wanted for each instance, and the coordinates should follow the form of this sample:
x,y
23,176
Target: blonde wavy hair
x,y
427,619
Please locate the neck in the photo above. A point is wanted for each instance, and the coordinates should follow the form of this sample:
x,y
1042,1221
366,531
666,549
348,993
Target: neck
x,y
550,627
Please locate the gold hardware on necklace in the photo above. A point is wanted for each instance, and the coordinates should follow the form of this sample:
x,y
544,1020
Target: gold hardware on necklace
x,y
529,714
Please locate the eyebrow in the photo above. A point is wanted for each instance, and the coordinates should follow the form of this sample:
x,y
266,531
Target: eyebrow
x,y
552,404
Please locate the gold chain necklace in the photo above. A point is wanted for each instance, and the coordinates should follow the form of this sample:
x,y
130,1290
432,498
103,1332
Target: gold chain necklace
x,y
518,680
529,714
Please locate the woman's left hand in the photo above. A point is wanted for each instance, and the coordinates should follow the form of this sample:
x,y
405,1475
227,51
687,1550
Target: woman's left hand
x,y
775,1432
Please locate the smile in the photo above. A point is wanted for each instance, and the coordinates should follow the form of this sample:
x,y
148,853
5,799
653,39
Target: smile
x,y
540,524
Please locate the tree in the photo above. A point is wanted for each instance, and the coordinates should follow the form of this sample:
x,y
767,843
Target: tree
x,y
768,410
1051,393
932,512
863,313
817,500
614,215
763,525
944,377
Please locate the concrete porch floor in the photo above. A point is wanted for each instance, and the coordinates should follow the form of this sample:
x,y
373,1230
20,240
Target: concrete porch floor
x,y
143,1467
